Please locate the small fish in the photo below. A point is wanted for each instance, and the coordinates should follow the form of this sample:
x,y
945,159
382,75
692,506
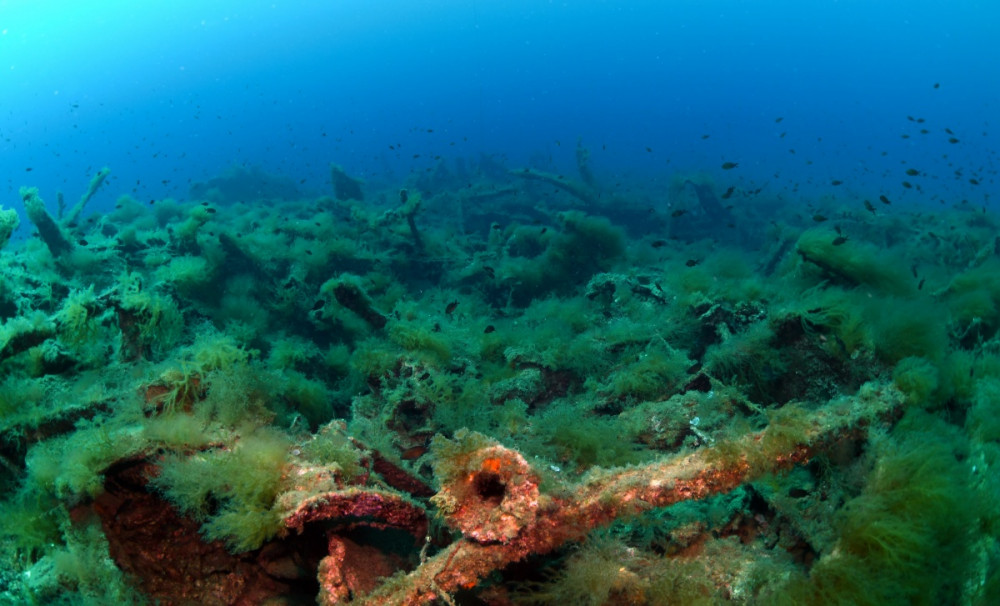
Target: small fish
x,y
28,170
839,240
952,140
489,328
907,185
649,150
658,243
836,182
819,218
913,268
921,285
81,242
884,200
692,262
937,85
414,452
869,207
912,172
451,307
728,194
974,181
729,165
778,120
678,212
489,271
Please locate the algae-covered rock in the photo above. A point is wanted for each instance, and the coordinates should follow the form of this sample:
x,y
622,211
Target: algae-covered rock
x,y
855,262
9,222
48,229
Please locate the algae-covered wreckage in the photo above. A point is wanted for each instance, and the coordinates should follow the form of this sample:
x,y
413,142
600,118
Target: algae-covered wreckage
x,y
490,390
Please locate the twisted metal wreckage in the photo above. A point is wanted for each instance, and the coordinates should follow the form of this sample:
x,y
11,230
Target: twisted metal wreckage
x,y
490,494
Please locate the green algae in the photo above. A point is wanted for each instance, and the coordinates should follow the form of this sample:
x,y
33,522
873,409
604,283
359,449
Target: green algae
x,y
226,340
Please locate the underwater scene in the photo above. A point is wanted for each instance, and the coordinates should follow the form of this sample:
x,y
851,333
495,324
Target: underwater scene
x,y
462,302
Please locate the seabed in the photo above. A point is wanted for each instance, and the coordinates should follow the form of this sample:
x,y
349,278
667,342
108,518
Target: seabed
x,y
498,385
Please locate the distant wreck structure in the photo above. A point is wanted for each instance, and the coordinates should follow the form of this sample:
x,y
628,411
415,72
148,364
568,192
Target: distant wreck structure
x,y
698,211
345,187
242,183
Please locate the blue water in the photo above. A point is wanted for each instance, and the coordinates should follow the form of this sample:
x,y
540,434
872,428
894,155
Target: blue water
x,y
169,93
